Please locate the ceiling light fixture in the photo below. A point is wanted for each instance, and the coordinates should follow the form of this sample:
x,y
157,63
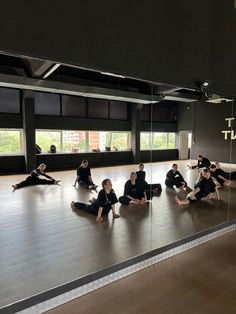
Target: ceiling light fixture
x,y
52,69
112,74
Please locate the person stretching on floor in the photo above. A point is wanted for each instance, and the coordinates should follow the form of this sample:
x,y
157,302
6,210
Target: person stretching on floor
x,y
217,175
84,176
174,177
202,162
226,175
101,206
205,187
134,192
34,178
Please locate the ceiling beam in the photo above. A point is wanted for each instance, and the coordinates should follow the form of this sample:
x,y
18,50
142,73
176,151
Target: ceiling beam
x,y
40,68
183,97
74,89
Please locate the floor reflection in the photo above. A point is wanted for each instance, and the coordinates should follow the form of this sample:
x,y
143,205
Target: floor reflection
x,y
44,243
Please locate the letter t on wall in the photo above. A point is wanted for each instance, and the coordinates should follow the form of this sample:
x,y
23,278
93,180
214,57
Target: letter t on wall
x,y
229,121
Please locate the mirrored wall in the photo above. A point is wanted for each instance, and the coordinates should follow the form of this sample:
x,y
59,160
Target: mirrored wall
x,y
171,138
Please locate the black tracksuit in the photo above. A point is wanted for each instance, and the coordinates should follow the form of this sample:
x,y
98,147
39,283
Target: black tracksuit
x,y
134,190
33,179
174,178
206,187
226,175
104,200
148,188
204,163
84,174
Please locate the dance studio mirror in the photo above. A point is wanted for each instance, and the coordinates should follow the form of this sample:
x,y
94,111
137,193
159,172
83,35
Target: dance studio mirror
x,y
115,137
204,132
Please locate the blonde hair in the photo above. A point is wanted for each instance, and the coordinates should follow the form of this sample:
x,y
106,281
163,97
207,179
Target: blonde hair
x,y
41,165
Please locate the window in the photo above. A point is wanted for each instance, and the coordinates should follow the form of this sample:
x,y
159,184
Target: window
x,y
73,141
98,140
82,141
171,140
145,140
47,138
189,139
109,141
157,140
10,141
120,140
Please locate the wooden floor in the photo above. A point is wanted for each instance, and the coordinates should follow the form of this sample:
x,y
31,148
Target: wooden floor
x,y
44,243
201,280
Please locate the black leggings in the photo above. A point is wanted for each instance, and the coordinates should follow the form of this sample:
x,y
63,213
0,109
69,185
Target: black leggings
x,y
151,189
88,208
125,200
230,175
86,183
33,181
177,182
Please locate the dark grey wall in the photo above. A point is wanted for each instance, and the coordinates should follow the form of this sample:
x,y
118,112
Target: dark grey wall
x,y
178,42
12,164
159,155
206,121
72,161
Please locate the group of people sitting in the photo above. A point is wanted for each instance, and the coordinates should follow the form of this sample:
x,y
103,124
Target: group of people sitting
x,y
211,178
137,190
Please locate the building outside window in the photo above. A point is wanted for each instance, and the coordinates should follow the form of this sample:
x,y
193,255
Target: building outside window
x,y
114,141
74,141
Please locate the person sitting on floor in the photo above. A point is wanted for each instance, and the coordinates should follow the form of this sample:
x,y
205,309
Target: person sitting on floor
x,y
202,162
84,178
134,192
205,187
34,178
150,189
175,178
226,175
101,206
217,175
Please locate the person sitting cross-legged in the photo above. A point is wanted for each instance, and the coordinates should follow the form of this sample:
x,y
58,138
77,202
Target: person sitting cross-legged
x,y
84,178
175,178
134,192
151,189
